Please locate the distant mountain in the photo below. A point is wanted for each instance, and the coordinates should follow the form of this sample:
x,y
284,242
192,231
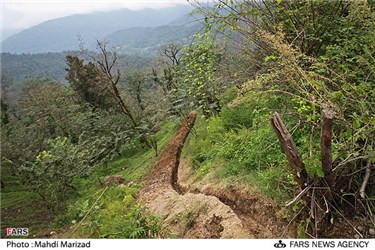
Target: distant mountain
x,y
146,41
62,33
9,32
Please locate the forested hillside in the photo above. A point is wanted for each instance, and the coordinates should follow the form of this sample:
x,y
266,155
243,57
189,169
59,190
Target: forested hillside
x,y
51,65
148,41
262,126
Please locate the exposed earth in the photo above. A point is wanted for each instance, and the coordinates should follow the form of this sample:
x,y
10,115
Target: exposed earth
x,y
206,210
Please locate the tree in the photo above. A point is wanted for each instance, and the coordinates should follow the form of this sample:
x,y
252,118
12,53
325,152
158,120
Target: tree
x,y
85,81
136,83
201,61
172,52
98,83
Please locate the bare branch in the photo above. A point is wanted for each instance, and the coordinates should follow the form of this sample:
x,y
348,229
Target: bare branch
x,y
304,191
294,158
365,179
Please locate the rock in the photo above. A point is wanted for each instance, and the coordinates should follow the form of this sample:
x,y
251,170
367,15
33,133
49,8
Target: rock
x,y
359,228
357,236
371,231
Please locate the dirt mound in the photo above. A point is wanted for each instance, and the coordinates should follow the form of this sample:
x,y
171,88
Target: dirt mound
x,y
112,180
207,211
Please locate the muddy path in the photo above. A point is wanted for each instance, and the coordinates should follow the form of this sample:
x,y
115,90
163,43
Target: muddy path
x,y
205,211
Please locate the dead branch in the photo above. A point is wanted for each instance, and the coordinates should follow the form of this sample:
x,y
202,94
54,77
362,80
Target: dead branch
x,y
304,191
326,144
294,158
312,207
366,179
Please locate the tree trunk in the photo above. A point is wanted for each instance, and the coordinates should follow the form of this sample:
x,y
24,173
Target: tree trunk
x,y
326,144
294,158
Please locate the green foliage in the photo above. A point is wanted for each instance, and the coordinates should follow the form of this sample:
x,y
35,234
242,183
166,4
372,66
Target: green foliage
x,y
47,110
298,58
331,65
136,82
236,117
53,171
233,151
115,215
200,63
317,20
316,55
147,41
22,66
87,82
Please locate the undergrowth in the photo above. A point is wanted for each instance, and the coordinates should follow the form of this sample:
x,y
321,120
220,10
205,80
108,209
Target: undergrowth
x,y
239,145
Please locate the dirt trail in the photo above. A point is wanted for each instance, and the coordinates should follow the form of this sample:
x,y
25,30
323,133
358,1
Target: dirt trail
x,y
205,211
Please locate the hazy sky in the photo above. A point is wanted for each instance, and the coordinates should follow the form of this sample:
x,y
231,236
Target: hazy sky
x,y
22,14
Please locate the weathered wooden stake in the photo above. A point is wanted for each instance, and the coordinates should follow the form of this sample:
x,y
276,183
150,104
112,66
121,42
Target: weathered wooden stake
x,y
289,147
326,144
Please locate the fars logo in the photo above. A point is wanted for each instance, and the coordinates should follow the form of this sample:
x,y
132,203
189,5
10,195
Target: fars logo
x,y
13,231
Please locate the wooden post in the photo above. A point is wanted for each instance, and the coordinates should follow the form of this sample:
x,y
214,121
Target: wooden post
x,y
326,144
289,147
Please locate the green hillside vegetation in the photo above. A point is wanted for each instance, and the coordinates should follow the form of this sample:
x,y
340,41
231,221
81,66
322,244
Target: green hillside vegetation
x,y
17,68
147,41
20,67
284,92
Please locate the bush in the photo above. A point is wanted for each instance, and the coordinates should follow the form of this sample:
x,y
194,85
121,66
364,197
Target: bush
x,y
53,171
236,117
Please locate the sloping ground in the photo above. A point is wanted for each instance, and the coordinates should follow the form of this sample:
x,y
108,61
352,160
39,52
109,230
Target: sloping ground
x,y
260,216
207,211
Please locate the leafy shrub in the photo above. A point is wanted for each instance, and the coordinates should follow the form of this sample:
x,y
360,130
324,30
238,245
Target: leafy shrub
x,y
201,61
119,221
53,171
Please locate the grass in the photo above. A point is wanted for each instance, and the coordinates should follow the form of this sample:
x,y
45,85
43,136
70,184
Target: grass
x,y
244,149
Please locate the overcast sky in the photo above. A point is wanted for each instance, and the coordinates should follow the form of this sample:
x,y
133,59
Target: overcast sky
x,y
22,14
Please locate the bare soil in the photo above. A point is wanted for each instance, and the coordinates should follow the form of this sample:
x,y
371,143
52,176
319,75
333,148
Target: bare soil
x,y
206,211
